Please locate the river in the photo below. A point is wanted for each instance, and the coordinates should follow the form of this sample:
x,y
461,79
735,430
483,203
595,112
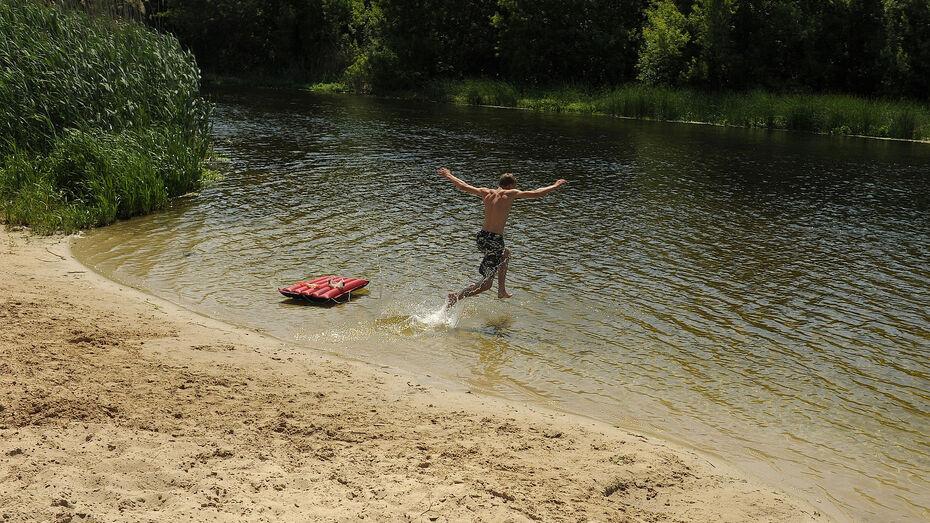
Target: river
x,y
762,296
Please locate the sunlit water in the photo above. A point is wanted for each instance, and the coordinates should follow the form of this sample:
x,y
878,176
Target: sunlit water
x,y
763,296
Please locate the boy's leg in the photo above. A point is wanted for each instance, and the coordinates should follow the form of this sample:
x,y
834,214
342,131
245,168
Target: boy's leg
x,y
502,276
472,290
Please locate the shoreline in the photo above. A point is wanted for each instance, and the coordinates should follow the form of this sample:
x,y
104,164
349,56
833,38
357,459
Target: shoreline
x,y
118,405
631,118
415,96
551,101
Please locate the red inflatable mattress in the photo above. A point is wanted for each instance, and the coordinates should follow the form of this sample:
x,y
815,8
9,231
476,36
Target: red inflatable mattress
x,y
325,289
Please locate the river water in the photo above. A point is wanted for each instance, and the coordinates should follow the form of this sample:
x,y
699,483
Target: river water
x,y
762,296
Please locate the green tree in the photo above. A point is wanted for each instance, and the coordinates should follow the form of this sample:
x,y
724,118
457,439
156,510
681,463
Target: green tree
x,y
551,41
712,24
662,59
821,61
908,31
766,40
440,38
867,47
300,38
867,50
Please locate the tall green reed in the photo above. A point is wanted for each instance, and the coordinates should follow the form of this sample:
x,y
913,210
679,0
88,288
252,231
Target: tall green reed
x,y
100,119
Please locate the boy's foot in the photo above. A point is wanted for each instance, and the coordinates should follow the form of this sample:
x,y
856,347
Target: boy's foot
x,y
504,295
453,297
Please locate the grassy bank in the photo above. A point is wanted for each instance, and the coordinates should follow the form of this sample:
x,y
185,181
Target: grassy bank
x,y
829,114
99,119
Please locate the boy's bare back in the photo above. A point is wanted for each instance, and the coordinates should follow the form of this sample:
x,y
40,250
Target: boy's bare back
x,y
497,205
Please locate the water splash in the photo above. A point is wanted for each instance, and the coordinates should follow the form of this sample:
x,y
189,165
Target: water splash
x,y
441,317
413,318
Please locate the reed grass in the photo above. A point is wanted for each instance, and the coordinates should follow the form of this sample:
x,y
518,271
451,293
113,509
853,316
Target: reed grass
x,y
101,119
826,113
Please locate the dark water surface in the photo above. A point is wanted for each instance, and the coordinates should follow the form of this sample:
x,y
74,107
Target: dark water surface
x,y
763,296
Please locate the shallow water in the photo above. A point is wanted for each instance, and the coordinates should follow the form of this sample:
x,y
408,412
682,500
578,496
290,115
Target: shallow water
x,y
762,295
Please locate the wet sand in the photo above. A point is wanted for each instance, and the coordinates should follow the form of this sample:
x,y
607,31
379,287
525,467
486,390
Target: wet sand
x,y
118,406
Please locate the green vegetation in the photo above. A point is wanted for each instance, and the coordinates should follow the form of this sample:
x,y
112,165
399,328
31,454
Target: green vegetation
x,y
329,87
832,114
865,47
757,63
266,39
99,119
869,48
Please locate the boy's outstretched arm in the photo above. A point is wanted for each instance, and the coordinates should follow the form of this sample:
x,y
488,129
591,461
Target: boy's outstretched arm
x,y
461,185
542,191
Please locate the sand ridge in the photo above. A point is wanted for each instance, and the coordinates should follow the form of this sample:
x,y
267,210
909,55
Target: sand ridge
x,y
117,406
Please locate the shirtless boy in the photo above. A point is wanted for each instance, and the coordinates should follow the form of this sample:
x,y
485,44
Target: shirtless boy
x,y
497,204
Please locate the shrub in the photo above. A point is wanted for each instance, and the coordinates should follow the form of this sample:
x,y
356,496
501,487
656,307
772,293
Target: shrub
x,y
377,70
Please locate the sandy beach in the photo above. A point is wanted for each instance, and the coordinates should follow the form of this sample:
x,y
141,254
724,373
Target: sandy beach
x,y
118,406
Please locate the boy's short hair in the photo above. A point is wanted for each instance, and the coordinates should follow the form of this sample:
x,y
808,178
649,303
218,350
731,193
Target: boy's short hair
x,y
507,181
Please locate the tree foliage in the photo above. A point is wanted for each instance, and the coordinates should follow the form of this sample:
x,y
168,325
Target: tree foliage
x,y
439,37
865,47
665,36
908,33
279,37
550,41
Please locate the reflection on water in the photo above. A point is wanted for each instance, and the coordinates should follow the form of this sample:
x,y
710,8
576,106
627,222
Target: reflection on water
x,y
763,295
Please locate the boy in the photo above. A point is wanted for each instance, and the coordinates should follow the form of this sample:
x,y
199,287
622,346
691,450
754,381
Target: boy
x,y
497,204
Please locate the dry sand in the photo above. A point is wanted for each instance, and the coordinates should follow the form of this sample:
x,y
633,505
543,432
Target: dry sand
x,y
117,406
